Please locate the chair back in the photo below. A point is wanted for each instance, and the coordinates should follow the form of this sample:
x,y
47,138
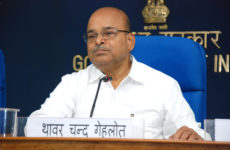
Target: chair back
x,y
182,59
2,81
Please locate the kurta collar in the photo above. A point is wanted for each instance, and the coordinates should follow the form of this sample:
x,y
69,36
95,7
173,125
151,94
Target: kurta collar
x,y
95,74
135,71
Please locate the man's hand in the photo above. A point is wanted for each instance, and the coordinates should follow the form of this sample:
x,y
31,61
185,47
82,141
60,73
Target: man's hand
x,y
185,133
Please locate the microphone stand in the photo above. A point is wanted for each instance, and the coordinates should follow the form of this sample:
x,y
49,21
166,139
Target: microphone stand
x,y
105,79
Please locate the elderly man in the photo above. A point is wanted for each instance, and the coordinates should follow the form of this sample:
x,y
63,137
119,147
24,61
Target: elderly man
x,y
135,89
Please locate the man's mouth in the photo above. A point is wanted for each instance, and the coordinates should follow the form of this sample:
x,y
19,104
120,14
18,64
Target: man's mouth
x,y
99,51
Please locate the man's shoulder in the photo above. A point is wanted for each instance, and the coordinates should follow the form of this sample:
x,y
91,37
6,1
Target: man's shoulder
x,y
80,75
153,75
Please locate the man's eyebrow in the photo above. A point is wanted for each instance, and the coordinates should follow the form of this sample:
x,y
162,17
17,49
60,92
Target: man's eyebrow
x,y
90,31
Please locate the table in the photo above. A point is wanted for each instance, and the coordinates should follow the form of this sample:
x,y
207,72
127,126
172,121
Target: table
x,y
60,143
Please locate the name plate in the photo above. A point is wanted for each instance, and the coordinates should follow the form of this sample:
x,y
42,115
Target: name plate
x,y
84,127
222,131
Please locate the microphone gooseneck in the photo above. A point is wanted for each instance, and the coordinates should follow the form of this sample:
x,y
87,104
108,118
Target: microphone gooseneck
x,y
105,79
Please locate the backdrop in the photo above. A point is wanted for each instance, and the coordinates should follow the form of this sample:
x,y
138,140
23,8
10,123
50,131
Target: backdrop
x,y
42,41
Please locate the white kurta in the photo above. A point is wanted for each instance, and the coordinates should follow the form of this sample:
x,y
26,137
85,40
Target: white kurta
x,y
145,92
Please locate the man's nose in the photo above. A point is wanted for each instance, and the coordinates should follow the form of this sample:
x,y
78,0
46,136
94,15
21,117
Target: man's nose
x,y
100,39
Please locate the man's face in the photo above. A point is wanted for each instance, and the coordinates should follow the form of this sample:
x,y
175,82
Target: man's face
x,y
114,50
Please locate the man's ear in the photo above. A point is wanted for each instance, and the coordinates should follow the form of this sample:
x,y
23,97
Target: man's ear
x,y
131,41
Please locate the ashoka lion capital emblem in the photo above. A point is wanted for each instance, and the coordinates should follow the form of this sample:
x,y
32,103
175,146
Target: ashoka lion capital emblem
x,y
155,12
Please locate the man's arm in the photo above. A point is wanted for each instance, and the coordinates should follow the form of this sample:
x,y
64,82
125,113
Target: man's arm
x,y
179,120
61,101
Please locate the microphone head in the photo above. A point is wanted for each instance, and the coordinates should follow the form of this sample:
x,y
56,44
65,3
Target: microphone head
x,y
107,78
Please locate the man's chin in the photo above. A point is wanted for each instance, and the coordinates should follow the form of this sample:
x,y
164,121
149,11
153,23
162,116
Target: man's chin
x,y
100,62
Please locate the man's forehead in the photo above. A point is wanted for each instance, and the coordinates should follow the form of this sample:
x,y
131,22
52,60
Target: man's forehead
x,y
99,25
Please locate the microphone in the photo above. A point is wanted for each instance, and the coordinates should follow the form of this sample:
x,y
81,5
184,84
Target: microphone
x,y
105,79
